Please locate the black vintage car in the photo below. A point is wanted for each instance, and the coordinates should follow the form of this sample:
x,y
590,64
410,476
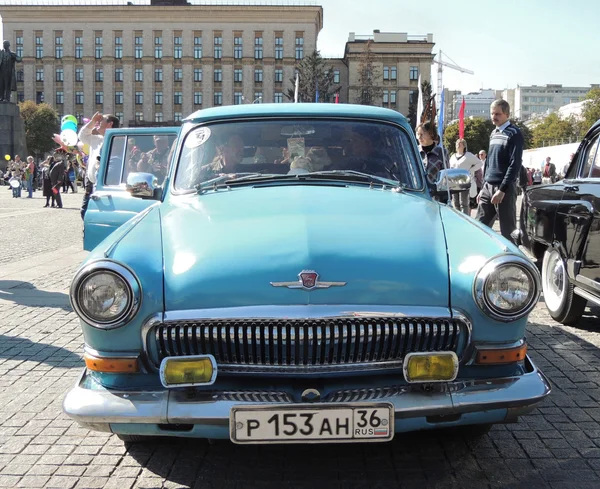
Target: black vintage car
x,y
560,226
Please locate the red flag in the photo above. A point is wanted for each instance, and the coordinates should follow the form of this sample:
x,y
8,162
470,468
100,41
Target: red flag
x,y
461,120
337,98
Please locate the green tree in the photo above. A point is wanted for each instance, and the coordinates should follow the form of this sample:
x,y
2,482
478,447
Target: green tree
x,y
368,93
591,110
313,72
527,133
554,130
477,134
41,123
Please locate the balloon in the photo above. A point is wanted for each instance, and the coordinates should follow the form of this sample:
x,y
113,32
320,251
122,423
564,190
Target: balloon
x,y
69,137
69,118
86,120
86,149
68,125
80,145
7,157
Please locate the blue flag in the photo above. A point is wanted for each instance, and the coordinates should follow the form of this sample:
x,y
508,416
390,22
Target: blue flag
x,y
441,118
317,92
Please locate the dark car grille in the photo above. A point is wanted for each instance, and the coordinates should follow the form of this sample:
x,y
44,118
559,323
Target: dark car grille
x,y
301,345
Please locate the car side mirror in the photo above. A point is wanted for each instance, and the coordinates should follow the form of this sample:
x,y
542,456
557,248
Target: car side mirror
x,y
142,185
453,179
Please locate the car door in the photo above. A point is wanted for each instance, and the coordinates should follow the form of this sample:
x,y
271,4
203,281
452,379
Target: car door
x,y
578,219
125,151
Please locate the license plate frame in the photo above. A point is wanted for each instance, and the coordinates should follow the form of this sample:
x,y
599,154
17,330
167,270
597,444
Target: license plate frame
x,y
260,412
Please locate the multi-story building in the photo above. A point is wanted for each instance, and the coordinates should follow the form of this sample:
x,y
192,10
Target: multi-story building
x,y
158,61
538,100
477,104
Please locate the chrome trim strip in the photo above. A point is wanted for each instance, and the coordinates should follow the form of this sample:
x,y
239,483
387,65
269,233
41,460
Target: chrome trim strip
x,y
586,295
135,292
308,369
586,281
110,354
479,285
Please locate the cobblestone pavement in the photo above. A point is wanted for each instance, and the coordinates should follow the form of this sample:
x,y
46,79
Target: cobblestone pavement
x,y
557,446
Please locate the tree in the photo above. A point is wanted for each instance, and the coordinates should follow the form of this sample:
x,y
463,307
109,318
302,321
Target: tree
x,y
527,134
554,130
368,92
591,110
477,134
41,123
312,73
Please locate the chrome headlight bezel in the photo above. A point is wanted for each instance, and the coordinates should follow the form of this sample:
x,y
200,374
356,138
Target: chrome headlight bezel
x,y
483,275
134,293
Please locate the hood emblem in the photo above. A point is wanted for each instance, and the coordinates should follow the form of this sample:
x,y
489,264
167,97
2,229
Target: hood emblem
x,y
308,280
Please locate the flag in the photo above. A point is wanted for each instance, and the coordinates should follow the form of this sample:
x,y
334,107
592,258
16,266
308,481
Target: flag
x,y
337,98
296,89
441,118
461,120
316,91
420,101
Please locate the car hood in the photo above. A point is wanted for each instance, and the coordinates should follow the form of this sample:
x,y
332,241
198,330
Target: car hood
x,y
224,249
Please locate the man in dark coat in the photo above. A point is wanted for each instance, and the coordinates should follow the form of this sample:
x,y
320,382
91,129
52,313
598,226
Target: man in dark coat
x,y
8,79
57,175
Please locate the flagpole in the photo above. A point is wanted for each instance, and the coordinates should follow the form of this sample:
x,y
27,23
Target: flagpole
x,y
296,88
420,102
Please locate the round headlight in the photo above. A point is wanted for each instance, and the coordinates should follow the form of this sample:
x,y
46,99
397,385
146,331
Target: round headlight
x,y
105,294
507,287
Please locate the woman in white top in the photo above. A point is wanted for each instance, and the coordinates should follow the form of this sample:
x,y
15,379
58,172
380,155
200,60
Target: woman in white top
x,y
466,161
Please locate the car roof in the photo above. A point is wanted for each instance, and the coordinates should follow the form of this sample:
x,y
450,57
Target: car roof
x,y
351,111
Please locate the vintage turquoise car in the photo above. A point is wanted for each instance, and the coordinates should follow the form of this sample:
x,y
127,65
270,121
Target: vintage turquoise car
x,y
283,273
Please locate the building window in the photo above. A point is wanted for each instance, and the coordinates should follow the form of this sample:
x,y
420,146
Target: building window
x,y
139,75
139,47
258,47
178,74
158,50
118,75
218,75
78,47
258,97
278,98
238,98
158,98
238,48
218,48
39,74
99,98
336,76
20,75
414,73
98,49
218,98
139,116
178,47
60,97
119,115
139,98
79,97
197,47
58,47
238,75
21,96
118,47
39,47
412,97
279,48
394,73
99,75
178,98
178,116
158,75
158,117
19,43
39,97
60,75
389,98
299,47
197,98
258,75
278,75
118,98
197,74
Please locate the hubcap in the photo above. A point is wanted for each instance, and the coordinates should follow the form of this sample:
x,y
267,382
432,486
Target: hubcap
x,y
554,281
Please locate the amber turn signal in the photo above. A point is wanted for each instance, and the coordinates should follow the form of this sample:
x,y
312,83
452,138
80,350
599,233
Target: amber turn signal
x,y
111,365
498,356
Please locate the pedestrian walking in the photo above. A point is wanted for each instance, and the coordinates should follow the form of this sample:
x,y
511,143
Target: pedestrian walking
x,y
29,174
46,183
465,160
57,175
498,197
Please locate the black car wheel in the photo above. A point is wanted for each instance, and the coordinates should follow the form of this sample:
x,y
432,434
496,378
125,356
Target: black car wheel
x,y
562,303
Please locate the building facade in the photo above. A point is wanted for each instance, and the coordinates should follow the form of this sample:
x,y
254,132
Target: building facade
x,y
477,104
159,62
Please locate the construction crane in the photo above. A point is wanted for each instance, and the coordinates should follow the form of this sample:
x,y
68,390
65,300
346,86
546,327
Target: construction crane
x,y
453,66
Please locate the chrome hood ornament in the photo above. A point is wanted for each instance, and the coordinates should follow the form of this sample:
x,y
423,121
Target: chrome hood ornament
x,y
308,280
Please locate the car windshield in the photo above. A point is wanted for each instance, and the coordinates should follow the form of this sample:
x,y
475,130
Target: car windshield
x,y
258,149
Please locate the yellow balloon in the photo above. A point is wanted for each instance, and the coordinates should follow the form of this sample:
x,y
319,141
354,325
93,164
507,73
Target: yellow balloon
x,y
86,149
7,157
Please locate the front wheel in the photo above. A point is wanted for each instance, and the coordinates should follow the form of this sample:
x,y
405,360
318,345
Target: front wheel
x,y
562,303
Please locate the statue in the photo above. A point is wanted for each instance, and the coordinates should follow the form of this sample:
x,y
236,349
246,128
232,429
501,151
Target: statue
x,y
8,79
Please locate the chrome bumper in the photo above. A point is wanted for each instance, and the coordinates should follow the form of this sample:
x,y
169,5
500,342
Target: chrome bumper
x,y
98,407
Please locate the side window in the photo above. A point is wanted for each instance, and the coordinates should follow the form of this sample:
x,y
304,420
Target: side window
x,y
147,153
591,161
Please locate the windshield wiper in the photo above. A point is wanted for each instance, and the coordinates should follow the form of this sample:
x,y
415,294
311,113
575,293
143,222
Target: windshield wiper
x,y
353,175
217,181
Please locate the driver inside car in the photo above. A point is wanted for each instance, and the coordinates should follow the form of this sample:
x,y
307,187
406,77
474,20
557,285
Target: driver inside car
x,y
362,155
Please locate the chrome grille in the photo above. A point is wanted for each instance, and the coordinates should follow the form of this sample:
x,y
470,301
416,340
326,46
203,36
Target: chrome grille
x,y
289,345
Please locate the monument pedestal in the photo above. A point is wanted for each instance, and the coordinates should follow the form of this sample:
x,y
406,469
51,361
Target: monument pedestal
x,y
12,134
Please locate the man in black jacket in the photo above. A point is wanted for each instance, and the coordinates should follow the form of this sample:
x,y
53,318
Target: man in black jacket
x,y
498,197
57,175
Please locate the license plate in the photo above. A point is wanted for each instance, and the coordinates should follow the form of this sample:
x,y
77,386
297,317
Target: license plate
x,y
307,423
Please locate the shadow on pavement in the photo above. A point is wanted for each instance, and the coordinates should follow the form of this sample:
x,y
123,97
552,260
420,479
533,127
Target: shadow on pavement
x,y
17,348
26,294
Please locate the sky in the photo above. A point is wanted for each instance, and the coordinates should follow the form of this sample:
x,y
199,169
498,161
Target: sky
x,y
505,44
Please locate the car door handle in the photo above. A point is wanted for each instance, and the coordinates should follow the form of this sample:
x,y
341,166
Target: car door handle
x,y
571,188
94,197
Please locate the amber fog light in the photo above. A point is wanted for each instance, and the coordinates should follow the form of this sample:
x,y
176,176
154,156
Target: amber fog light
x,y
431,367
188,371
